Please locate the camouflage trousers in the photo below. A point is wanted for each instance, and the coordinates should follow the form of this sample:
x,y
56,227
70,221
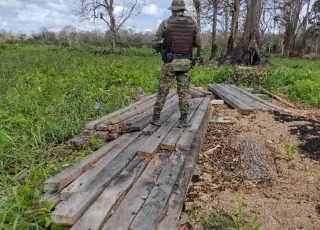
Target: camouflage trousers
x,y
178,69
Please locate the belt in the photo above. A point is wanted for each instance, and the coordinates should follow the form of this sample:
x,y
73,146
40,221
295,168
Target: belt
x,y
181,56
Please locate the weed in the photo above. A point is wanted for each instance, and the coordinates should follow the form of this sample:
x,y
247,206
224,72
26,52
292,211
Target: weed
x,y
226,221
289,149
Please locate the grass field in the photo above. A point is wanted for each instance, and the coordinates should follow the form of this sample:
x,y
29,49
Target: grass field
x,y
48,93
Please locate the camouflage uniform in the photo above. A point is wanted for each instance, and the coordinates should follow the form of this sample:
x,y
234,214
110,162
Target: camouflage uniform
x,y
179,69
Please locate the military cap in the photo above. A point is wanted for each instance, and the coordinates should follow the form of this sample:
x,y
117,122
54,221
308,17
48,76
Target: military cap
x,y
178,5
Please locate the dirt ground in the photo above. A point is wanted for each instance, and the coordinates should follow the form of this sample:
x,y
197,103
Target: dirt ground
x,y
288,201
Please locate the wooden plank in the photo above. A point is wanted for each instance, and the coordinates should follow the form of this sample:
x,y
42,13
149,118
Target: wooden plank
x,y
169,143
70,211
93,124
50,197
156,202
230,99
170,217
82,181
257,98
255,104
132,113
94,217
199,89
168,110
153,143
195,94
129,207
278,98
185,141
68,175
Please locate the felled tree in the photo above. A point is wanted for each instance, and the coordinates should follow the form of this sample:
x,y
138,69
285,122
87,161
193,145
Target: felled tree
x,y
249,50
105,11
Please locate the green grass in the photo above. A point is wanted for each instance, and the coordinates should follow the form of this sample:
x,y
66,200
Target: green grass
x,y
48,93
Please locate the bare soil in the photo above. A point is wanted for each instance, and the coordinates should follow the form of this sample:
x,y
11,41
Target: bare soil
x,y
287,201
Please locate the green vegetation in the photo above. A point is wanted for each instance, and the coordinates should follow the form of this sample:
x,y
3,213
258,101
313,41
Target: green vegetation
x,y
289,149
48,93
223,220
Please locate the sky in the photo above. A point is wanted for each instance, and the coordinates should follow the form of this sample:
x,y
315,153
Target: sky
x,y
29,16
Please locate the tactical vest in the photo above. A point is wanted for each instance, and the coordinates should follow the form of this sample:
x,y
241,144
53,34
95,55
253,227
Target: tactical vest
x,y
178,38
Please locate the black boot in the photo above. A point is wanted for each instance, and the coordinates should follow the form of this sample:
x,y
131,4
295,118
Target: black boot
x,y
183,123
156,120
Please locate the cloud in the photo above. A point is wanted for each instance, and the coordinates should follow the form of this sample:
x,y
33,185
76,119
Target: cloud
x,y
152,10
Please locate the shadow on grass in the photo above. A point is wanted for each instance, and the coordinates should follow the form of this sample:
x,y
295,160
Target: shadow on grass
x,y
308,131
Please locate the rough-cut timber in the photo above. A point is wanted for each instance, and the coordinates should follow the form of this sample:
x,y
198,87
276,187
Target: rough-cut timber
x,y
169,143
200,90
170,217
241,100
93,124
156,202
185,141
153,143
94,218
195,94
68,175
129,207
69,212
50,197
278,98
86,178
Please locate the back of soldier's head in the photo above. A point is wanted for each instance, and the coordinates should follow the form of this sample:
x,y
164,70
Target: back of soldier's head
x,y
178,7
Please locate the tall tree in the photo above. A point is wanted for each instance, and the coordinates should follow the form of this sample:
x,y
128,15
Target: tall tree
x,y
234,26
197,7
304,27
214,28
248,51
114,15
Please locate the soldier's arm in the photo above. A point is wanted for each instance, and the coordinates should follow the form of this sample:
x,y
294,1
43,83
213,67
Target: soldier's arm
x,y
159,36
197,37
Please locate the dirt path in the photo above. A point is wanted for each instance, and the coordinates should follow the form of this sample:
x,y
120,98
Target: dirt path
x,y
289,200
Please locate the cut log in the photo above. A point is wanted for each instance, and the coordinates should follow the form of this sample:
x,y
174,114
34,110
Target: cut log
x,y
170,217
278,98
82,181
129,207
102,135
68,175
156,202
102,127
185,141
169,143
70,211
93,124
153,143
95,216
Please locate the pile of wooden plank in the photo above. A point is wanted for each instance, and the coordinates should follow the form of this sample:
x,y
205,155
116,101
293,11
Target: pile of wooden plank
x,y
197,92
242,100
129,119
137,181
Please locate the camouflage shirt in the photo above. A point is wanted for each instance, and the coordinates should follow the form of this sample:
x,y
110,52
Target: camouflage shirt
x,y
163,27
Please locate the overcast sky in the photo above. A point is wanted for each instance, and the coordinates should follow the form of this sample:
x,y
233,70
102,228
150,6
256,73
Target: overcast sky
x,y
28,16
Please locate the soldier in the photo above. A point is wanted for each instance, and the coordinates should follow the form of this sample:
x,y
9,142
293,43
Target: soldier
x,y
176,37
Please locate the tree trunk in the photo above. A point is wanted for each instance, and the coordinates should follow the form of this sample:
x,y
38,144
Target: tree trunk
x,y
214,29
304,29
248,52
234,26
226,22
197,7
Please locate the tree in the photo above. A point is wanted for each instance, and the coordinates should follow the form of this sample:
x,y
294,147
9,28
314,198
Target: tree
x,y
105,10
234,26
248,51
68,35
313,31
197,7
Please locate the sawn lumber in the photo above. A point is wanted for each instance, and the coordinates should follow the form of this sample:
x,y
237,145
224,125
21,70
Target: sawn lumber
x,y
157,200
95,216
68,175
70,211
129,207
82,181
